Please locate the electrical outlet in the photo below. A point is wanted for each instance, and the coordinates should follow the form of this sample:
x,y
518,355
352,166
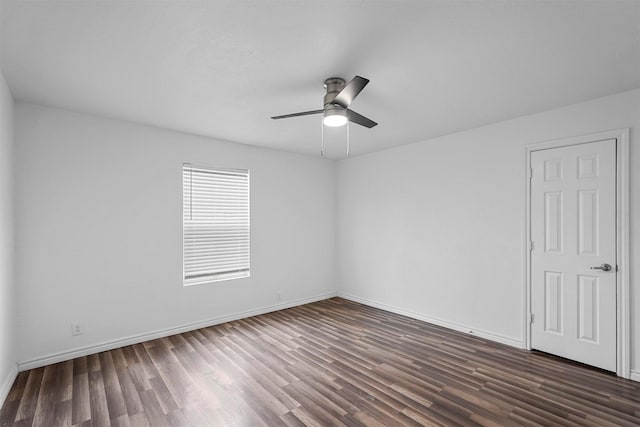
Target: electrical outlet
x,y
278,296
77,329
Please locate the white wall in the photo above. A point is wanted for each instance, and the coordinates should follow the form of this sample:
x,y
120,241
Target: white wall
x,y
7,283
99,226
436,228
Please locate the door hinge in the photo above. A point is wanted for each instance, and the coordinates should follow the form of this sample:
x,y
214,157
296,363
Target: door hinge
x,y
530,173
532,318
532,245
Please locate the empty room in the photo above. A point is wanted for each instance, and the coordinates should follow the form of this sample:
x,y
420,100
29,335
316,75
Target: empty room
x,y
319,213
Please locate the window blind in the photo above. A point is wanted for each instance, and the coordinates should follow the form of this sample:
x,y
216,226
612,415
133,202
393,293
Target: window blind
x,y
215,224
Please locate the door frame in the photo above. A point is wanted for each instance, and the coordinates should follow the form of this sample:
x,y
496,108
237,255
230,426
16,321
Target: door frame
x,y
623,300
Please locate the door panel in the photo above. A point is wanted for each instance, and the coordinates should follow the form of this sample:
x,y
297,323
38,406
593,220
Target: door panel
x,y
588,295
553,222
553,302
588,222
573,228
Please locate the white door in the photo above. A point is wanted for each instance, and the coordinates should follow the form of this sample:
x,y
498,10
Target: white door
x,y
573,229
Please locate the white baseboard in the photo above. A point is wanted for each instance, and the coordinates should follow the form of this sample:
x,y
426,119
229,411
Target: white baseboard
x,y
5,385
451,325
635,375
135,339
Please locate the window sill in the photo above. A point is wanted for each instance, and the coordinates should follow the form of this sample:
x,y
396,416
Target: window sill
x,y
221,278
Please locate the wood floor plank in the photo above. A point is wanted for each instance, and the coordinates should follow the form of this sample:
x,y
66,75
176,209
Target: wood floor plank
x,y
80,403
8,414
62,415
333,362
130,395
98,398
113,392
29,399
45,407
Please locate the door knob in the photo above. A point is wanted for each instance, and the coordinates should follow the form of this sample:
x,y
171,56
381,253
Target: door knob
x,y
603,267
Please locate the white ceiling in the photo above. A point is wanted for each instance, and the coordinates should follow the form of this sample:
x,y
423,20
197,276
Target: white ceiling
x,y
221,69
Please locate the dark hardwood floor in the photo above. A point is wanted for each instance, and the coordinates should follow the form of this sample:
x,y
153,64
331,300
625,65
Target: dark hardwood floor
x,y
333,362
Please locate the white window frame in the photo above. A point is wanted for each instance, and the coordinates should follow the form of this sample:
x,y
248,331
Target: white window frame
x,y
227,262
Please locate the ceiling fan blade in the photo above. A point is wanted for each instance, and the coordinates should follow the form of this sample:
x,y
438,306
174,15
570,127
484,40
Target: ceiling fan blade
x,y
360,119
304,113
350,91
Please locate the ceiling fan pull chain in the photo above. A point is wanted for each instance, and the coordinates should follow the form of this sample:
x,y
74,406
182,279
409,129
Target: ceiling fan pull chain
x,y
322,143
348,147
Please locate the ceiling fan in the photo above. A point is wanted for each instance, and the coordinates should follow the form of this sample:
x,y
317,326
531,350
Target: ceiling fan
x,y
336,103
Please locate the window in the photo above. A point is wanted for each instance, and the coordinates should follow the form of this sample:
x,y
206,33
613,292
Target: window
x,y
215,224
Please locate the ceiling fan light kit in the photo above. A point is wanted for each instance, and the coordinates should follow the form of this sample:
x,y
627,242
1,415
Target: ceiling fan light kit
x,y
335,117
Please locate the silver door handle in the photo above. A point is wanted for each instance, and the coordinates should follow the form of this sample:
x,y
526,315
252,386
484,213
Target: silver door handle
x,y
603,267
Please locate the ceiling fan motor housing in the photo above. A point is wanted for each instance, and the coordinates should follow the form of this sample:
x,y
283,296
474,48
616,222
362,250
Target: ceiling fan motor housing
x,y
333,85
